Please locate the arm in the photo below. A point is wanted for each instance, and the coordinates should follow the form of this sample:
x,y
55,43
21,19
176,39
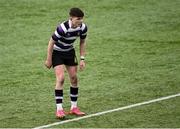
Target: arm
x,y
82,53
82,47
48,62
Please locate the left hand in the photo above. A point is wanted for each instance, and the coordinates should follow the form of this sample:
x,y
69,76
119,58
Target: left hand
x,y
82,65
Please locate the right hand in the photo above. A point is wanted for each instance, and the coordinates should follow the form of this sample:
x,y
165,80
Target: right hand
x,y
48,64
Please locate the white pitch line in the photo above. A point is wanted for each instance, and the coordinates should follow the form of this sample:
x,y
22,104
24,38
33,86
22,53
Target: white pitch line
x,y
109,111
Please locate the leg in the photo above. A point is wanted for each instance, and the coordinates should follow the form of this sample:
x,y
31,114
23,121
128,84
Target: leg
x,y
72,71
59,72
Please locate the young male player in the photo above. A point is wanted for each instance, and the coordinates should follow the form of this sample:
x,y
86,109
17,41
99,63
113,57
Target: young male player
x,y
61,53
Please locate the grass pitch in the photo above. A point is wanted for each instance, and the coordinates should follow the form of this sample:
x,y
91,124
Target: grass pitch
x,y
133,55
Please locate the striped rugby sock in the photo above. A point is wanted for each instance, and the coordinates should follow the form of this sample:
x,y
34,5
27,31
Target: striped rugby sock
x,y
59,99
73,96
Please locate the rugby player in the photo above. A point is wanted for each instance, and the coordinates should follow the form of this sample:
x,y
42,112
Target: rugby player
x,y
61,54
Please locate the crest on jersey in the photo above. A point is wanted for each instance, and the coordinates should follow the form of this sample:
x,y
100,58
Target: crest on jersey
x,y
78,33
68,34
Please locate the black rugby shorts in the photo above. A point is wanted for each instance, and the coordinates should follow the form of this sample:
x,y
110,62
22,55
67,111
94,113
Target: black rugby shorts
x,y
67,58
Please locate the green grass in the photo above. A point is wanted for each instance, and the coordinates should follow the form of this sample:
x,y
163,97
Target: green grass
x,y
158,115
133,55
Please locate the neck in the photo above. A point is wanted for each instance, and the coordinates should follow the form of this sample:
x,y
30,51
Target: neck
x,y
72,26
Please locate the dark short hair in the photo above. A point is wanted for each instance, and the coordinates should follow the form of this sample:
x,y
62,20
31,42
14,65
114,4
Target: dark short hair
x,y
76,12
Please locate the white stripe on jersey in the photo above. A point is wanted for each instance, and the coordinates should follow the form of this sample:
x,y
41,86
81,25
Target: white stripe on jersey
x,y
60,49
83,26
67,38
63,27
65,44
70,38
72,30
56,33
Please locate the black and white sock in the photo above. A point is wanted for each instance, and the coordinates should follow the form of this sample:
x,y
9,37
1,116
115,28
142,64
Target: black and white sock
x,y
73,96
59,99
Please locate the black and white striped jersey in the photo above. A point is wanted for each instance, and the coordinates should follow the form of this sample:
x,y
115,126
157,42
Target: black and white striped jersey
x,y
65,36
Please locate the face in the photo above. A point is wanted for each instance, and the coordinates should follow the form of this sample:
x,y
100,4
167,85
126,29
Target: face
x,y
76,21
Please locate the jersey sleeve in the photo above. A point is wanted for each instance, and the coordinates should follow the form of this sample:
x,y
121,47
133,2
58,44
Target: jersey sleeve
x,y
84,32
59,32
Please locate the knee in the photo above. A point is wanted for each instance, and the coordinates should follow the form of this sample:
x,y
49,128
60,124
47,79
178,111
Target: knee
x,y
60,80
